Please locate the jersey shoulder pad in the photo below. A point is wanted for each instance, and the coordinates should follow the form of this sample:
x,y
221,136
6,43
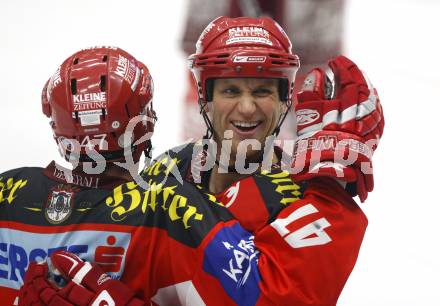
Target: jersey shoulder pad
x,y
22,172
22,185
264,194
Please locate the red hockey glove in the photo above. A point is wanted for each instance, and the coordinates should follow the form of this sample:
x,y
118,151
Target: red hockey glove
x,y
34,282
37,290
339,125
87,285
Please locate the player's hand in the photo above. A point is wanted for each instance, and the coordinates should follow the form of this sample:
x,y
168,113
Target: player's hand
x,y
35,277
38,290
86,285
339,124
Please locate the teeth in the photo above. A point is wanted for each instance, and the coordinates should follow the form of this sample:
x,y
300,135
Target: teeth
x,y
245,124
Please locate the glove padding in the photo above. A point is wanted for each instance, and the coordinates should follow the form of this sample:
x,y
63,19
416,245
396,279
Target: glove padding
x,y
339,124
87,285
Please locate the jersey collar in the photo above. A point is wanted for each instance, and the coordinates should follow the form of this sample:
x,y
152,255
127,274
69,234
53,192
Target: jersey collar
x,y
80,178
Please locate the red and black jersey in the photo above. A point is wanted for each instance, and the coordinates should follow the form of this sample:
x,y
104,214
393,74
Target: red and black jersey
x,y
287,244
142,236
176,244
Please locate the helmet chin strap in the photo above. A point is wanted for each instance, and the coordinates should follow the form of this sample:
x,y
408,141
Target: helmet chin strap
x,y
281,119
209,128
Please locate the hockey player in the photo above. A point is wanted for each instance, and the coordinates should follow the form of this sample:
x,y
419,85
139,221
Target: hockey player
x,y
245,71
317,27
91,100
297,242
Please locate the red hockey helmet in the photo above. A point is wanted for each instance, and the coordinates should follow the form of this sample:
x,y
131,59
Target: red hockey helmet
x,y
243,47
91,99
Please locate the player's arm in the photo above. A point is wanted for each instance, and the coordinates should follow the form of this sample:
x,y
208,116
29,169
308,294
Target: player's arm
x,y
340,122
311,248
305,255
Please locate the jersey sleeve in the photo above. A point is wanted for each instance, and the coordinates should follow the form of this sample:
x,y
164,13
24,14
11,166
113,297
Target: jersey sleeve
x,y
286,243
256,201
303,257
311,248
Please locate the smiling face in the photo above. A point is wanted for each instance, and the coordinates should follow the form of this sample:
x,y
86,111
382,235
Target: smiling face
x,y
249,107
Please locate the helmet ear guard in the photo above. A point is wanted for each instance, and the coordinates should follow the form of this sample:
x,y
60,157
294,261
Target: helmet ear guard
x,y
209,90
283,90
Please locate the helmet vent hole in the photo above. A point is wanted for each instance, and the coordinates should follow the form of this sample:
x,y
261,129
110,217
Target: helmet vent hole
x,y
76,61
73,86
274,56
277,63
219,62
223,55
103,113
104,58
103,84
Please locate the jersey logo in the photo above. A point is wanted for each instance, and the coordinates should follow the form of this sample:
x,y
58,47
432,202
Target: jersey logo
x,y
232,193
9,188
232,258
59,205
249,59
19,248
239,267
128,198
306,116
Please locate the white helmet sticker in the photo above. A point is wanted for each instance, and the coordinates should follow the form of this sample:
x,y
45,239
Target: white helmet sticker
x,y
248,35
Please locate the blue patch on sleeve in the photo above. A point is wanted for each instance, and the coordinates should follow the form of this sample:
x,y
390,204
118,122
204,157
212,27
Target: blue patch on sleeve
x,y
231,257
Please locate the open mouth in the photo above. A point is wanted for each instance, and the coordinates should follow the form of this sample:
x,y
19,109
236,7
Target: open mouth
x,y
245,126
